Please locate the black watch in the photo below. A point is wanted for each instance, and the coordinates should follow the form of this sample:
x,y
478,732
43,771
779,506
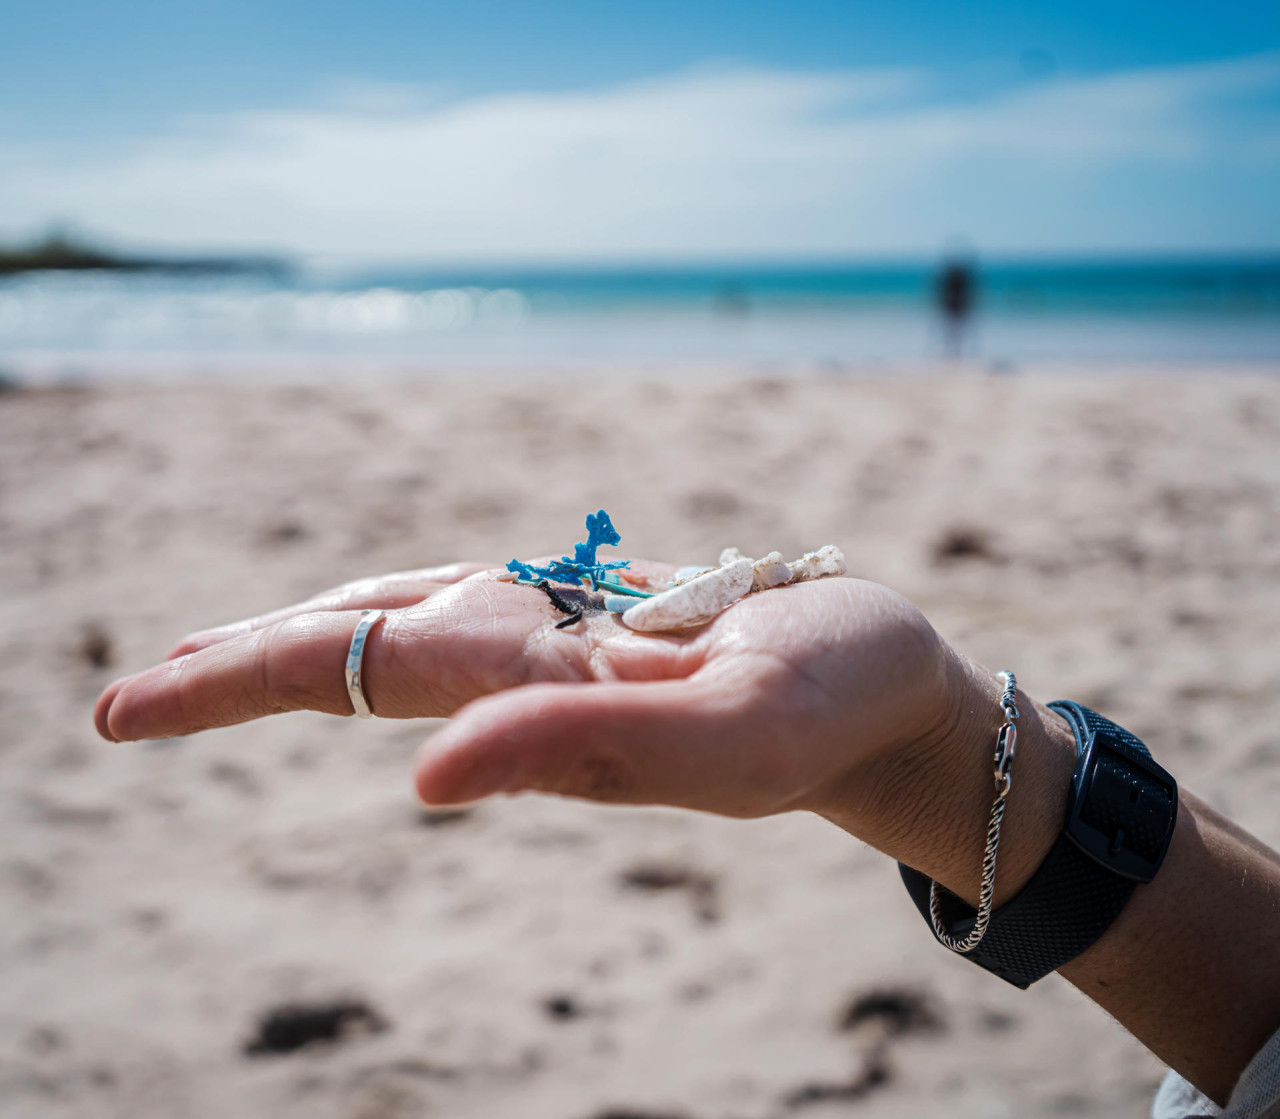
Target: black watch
x,y
1120,815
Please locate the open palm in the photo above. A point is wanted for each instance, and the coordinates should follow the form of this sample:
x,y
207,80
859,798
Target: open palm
x,y
772,706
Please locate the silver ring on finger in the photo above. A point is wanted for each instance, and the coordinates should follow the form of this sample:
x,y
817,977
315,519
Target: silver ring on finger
x,y
355,656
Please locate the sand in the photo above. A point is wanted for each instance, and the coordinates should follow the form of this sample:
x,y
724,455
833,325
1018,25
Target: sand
x,y
1114,538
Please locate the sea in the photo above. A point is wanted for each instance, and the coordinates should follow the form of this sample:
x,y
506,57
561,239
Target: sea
x,y
1170,314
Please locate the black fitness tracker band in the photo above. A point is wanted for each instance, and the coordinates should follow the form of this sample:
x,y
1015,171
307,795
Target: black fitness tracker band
x,y
1121,810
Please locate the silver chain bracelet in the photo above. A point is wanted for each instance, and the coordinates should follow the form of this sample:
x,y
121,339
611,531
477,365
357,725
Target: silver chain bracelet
x,y
1006,746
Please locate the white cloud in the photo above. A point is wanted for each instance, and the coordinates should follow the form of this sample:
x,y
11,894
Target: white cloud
x,y
718,162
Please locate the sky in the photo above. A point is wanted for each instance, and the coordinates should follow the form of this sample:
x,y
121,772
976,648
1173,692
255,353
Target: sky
x,y
562,132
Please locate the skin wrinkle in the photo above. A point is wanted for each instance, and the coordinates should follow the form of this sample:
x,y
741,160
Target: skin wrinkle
x,y
620,655
448,612
905,763
894,777
599,663
183,692
385,643
262,662
801,674
633,657
268,678
528,657
296,685
126,706
181,674
797,752
567,649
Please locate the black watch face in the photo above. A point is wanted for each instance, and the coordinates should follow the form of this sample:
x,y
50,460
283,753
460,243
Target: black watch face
x,y
1123,809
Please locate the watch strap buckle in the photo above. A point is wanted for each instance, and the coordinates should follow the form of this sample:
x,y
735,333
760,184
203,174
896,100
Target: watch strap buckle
x,y
1122,807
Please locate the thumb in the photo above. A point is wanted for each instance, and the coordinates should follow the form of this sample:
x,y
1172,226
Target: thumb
x,y
661,742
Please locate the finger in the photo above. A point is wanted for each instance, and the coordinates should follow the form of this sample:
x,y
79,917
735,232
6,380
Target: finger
x,y
294,665
103,706
382,592
687,742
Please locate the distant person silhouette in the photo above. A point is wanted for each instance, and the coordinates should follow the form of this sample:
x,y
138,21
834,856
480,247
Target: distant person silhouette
x,y
956,293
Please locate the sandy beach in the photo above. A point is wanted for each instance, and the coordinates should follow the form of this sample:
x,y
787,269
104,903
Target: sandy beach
x,y
1114,537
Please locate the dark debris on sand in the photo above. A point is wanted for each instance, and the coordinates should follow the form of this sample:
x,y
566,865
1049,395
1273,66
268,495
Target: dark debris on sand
x,y
443,817
286,1029
96,647
876,1074
894,1012
282,533
964,542
660,877
631,1113
562,1008
900,1011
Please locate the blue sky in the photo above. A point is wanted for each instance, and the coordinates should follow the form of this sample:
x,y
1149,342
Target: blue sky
x,y
538,131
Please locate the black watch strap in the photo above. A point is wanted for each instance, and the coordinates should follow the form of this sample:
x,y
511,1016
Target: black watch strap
x,y
1121,811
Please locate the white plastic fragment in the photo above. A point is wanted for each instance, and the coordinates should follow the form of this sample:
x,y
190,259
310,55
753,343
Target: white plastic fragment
x,y
620,603
828,560
506,576
694,602
730,555
770,571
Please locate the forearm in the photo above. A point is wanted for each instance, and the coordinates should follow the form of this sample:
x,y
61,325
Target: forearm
x,y
1192,965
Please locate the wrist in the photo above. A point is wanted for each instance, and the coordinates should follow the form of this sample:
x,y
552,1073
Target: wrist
x,y
927,802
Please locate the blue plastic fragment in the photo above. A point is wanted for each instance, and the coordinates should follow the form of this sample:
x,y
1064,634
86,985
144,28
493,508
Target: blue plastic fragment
x,y
584,566
600,530
610,587
524,571
619,603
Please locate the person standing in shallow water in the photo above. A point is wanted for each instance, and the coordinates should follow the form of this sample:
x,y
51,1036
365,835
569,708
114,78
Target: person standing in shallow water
x,y
955,293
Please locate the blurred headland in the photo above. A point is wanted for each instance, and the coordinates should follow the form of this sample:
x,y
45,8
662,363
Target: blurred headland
x,y
64,253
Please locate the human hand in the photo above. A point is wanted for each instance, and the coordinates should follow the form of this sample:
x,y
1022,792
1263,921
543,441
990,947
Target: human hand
x,y
781,702
834,696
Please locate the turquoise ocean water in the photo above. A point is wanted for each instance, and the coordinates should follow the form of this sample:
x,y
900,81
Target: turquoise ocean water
x,y
1174,313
